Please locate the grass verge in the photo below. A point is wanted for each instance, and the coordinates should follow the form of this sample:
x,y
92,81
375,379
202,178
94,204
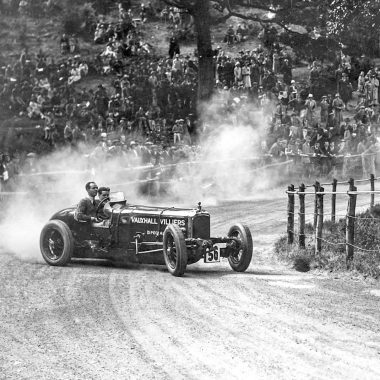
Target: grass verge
x,y
333,255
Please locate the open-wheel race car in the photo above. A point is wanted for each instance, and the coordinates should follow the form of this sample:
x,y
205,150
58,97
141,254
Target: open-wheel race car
x,y
169,236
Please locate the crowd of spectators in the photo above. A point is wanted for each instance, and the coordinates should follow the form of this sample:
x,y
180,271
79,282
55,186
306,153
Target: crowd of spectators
x,y
321,135
146,104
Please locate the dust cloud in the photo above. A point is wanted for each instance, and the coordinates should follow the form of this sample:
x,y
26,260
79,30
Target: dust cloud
x,y
229,166
62,184
225,166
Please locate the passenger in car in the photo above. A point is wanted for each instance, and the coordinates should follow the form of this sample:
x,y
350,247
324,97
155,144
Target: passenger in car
x,y
104,197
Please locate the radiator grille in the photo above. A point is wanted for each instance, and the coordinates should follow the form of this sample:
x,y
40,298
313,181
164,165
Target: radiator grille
x,y
201,226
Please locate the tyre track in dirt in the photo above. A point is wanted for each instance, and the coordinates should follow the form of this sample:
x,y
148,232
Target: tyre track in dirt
x,y
219,310
175,328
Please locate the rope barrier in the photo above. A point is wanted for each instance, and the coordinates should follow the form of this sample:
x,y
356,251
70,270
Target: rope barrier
x,y
348,192
330,242
150,166
341,182
340,244
361,218
314,155
14,193
363,249
54,173
366,180
327,184
271,165
364,192
375,238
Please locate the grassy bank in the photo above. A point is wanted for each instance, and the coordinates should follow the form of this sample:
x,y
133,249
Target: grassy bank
x,y
333,255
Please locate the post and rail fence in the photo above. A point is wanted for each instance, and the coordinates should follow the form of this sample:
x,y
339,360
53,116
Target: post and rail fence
x,y
319,212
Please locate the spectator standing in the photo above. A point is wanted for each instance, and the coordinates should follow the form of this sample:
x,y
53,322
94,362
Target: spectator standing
x,y
230,35
313,78
178,131
311,106
4,177
347,138
173,46
246,73
280,112
177,68
68,133
361,82
275,62
338,107
286,70
345,90
297,103
238,76
306,152
65,44
229,72
101,100
374,90
324,110
338,76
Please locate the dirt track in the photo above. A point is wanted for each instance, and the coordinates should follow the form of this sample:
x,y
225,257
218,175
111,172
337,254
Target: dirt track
x,y
100,322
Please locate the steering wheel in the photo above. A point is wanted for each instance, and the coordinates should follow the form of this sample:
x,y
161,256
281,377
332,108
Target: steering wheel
x,y
98,208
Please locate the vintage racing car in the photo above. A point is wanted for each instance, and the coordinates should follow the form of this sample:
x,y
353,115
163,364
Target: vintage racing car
x,y
169,236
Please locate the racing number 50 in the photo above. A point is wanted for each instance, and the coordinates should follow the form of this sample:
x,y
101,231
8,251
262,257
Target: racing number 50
x,y
213,254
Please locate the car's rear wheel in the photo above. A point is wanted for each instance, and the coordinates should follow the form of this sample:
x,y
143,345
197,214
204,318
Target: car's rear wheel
x,y
240,260
175,252
56,243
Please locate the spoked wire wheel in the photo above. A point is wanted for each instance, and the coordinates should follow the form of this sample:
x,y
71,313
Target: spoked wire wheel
x,y
240,260
175,252
56,243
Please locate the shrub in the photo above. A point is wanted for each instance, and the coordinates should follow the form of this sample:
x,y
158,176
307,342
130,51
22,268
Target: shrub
x,y
79,19
71,21
333,255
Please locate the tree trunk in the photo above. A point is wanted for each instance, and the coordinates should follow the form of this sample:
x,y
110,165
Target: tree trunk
x,y
206,77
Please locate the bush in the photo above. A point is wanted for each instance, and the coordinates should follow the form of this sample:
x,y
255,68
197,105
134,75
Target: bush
x,y
305,47
71,21
79,19
333,255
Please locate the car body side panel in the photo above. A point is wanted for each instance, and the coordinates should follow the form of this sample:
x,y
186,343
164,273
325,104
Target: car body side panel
x,y
134,226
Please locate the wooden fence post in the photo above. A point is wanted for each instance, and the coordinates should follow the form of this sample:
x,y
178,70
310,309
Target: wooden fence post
x,y
318,231
301,217
290,214
316,188
350,224
333,200
372,180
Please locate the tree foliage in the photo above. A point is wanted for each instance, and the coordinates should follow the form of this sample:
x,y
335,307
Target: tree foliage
x,y
343,13
318,24
79,19
355,23
340,19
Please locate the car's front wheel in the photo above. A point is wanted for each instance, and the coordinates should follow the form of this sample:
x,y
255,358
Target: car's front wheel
x,y
175,252
56,243
241,258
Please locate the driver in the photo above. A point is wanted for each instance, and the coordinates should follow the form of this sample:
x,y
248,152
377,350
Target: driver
x,y
86,209
104,197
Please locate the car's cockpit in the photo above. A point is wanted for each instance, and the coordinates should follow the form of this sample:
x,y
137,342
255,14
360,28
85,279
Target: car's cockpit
x,y
116,202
